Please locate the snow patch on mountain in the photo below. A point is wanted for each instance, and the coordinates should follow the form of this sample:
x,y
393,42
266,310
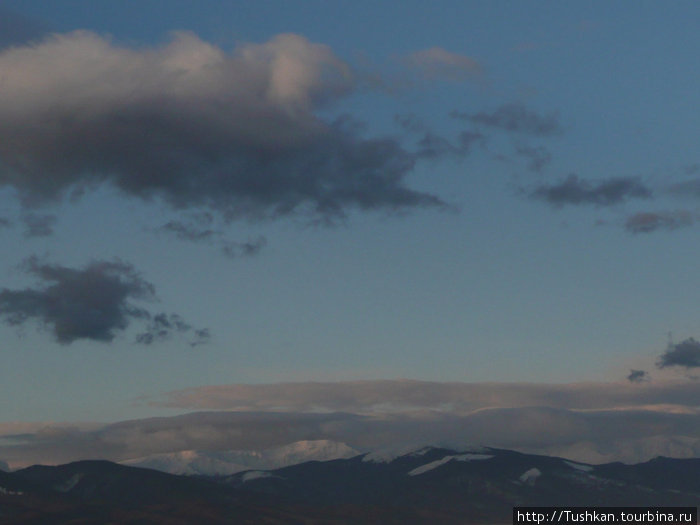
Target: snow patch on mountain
x,y
255,474
435,464
530,476
389,454
579,466
70,483
224,463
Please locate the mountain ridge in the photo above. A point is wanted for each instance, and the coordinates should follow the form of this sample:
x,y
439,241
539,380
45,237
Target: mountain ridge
x,y
430,485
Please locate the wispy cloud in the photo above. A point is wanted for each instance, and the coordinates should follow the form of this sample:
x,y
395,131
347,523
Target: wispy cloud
x,y
406,395
576,191
199,230
647,222
436,62
38,225
236,134
537,157
515,118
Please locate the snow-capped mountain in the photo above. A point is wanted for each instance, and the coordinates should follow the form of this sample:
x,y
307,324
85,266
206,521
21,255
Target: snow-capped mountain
x,y
430,485
224,463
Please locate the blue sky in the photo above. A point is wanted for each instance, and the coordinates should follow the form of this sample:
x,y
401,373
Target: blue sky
x,y
562,249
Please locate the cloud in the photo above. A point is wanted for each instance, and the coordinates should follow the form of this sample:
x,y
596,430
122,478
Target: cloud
x,y
5,223
647,222
684,354
576,191
638,376
199,230
93,303
433,146
538,157
247,248
436,63
689,188
597,436
392,396
37,225
188,232
594,422
515,118
236,134
410,122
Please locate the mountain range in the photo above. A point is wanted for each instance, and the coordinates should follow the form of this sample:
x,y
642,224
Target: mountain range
x,y
429,485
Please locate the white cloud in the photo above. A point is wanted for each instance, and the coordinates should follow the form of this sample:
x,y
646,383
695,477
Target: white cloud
x,y
235,132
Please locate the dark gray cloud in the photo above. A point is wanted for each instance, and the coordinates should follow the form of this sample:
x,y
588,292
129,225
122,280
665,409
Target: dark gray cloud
x,y
647,222
38,225
638,376
236,134
189,232
576,191
537,157
685,354
434,146
93,303
515,118
247,248
17,29
5,223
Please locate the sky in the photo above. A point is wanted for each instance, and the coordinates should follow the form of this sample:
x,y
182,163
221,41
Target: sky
x,y
257,207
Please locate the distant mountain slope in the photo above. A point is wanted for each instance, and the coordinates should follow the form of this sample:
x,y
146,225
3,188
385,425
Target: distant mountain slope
x,y
431,485
212,463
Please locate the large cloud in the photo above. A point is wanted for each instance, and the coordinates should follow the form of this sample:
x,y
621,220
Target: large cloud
x,y
685,354
595,436
94,302
186,122
594,422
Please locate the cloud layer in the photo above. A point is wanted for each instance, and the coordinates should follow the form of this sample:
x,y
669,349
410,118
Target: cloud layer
x,y
197,127
406,395
94,303
585,422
